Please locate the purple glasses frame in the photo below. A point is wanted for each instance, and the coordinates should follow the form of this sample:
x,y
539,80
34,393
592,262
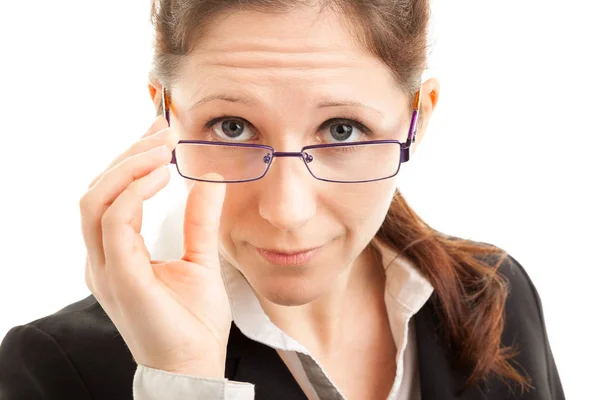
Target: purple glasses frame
x,y
405,147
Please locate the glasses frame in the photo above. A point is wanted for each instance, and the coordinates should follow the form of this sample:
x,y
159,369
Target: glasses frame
x,y
405,147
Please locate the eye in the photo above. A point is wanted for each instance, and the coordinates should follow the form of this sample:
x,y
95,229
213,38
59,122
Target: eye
x,y
341,130
230,129
337,130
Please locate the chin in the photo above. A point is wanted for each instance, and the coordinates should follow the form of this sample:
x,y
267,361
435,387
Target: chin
x,y
285,298
290,292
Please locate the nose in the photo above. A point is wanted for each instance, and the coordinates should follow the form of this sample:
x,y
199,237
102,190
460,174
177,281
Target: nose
x,y
288,196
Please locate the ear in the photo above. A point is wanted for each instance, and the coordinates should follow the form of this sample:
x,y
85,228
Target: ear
x,y
430,93
155,90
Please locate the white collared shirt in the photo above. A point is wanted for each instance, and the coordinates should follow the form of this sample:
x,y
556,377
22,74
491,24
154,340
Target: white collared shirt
x,y
406,291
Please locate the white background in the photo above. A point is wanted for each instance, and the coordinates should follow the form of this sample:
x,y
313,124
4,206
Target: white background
x,y
511,157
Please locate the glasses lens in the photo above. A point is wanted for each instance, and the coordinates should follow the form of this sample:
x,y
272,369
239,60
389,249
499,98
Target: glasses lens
x,y
233,163
354,162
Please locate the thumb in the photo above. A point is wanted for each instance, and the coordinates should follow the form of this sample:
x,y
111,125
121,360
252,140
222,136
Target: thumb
x,y
201,222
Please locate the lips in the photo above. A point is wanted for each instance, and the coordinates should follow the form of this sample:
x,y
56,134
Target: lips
x,y
288,257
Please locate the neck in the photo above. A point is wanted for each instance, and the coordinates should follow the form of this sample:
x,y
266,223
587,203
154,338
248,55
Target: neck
x,y
325,323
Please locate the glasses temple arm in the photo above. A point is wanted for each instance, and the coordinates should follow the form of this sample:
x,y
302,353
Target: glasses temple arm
x,y
166,110
166,105
412,132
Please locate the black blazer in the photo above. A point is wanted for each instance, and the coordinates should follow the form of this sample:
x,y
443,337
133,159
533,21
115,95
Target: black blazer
x,y
77,353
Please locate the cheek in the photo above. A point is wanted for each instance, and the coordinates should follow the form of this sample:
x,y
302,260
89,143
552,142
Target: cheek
x,y
238,208
362,207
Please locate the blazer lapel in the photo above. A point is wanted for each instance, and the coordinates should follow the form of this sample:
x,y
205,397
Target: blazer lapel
x,y
249,361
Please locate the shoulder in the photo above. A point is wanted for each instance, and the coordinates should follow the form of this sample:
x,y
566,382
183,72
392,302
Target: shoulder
x,y
524,316
523,301
73,352
525,330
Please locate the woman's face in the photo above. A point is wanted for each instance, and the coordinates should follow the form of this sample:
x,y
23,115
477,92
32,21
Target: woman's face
x,y
291,73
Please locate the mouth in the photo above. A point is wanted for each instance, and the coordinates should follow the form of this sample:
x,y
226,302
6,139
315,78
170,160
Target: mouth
x,y
288,257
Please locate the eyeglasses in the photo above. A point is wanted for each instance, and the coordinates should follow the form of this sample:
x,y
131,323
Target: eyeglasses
x,y
355,162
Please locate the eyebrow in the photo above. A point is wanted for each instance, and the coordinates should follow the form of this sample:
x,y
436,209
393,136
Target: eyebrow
x,y
249,101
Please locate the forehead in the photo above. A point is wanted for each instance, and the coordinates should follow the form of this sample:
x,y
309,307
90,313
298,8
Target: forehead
x,y
306,52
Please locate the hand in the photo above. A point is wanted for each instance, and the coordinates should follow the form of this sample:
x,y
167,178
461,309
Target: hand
x,y
173,315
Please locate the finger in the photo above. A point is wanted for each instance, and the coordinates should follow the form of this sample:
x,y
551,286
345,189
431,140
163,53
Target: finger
x,y
201,222
98,199
159,134
95,280
124,247
165,137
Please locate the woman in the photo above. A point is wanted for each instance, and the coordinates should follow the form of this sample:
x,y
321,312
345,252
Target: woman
x,y
304,272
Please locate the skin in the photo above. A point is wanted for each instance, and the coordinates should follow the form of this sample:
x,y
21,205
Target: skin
x,y
286,64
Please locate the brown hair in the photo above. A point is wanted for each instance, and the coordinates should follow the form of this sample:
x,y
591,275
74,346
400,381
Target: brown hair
x,y
468,293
